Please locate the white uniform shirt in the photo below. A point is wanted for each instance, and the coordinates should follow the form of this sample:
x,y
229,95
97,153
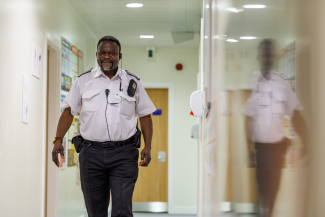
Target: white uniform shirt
x,y
269,102
121,110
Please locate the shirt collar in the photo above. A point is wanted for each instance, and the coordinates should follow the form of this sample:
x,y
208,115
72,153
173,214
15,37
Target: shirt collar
x,y
121,73
272,76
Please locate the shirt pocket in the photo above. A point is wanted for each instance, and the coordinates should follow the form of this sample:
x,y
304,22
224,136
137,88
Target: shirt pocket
x,y
251,106
127,106
279,103
90,100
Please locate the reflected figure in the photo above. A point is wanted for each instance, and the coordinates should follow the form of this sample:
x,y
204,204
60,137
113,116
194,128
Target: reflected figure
x,y
270,101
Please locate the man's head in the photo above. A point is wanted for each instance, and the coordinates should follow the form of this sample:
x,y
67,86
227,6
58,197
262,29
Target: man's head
x,y
108,53
265,54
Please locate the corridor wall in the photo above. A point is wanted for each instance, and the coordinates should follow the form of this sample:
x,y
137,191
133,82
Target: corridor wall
x,y
162,69
22,147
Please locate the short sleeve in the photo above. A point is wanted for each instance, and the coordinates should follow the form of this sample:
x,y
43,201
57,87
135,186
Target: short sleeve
x,y
144,106
73,99
292,101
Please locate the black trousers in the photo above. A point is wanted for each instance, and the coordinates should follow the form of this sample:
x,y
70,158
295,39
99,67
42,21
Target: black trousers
x,y
269,163
108,169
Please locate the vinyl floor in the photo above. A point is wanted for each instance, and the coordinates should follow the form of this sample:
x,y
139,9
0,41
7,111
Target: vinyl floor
x,y
167,215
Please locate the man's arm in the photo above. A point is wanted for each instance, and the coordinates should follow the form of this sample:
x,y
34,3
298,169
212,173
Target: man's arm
x,y
64,124
146,127
251,154
300,127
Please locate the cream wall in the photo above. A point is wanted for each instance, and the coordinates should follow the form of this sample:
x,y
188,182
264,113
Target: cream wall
x,y
22,147
162,69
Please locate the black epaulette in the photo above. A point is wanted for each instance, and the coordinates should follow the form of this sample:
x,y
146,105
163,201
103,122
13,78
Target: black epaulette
x,y
129,73
85,73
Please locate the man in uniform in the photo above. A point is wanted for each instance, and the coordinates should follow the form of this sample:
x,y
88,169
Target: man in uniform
x,y
271,99
111,99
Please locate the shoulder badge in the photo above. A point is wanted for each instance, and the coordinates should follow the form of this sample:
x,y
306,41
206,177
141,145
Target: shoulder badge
x,y
129,73
85,73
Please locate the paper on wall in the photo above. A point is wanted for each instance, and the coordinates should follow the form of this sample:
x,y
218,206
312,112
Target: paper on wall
x,y
25,98
37,56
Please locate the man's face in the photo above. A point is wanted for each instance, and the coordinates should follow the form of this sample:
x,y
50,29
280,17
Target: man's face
x,y
266,57
108,56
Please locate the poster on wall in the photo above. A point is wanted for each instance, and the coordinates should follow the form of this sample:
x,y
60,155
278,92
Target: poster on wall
x,y
75,58
66,57
25,98
37,57
286,65
72,63
66,82
81,62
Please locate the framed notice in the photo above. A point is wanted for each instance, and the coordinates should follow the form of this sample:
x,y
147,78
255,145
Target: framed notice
x,y
286,65
81,62
37,58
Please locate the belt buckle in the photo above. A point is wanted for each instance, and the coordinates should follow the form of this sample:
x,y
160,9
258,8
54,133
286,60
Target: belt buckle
x,y
110,143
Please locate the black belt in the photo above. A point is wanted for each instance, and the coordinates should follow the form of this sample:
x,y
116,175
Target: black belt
x,y
110,143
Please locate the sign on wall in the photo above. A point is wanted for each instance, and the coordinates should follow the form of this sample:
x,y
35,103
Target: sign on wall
x,y
72,65
286,65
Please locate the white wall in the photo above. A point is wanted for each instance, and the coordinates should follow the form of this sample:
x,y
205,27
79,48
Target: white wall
x,y
162,69
22,147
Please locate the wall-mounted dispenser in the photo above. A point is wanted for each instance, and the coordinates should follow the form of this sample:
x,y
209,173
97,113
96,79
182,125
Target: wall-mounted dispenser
x,y
196,103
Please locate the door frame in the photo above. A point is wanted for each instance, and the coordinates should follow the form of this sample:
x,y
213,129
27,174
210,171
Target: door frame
x,y
170,87
51,172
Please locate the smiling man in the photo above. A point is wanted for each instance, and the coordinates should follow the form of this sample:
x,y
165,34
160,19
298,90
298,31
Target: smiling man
x,y
111,100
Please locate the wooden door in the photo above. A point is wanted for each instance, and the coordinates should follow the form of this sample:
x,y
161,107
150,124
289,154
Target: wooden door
x,y
152,184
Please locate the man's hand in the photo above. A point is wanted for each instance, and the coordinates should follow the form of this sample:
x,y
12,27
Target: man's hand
x,y
251,159
58,148
146,127
145,157
63,127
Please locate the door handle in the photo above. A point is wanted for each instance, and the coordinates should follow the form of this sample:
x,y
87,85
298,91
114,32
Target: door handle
x,y
161,156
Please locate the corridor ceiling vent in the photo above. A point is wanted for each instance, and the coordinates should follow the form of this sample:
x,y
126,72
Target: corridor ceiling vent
x,y
147,36
134,5
180,37
247,37
254,6
232,40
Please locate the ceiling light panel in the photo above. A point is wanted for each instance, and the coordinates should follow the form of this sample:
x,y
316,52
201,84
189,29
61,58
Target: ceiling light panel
x,y
147,36
134,5
232,40
248,37
232,10
254,6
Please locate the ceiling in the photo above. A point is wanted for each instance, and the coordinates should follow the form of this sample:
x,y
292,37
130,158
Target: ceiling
x,y
261,23
157,17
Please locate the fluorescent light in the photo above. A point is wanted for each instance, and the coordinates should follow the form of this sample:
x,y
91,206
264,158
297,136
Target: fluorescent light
x,y
232,10
147,36
205,36
207,6
134,5
232,40
248,37
254,6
